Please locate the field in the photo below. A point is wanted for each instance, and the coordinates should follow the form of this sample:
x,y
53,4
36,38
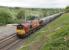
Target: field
x,y
54,36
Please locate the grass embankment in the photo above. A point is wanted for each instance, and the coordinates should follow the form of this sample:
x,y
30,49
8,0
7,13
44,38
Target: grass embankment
x,y
53,37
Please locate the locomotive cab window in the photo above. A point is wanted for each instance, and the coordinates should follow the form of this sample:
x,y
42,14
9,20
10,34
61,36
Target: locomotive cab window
x,y
20,26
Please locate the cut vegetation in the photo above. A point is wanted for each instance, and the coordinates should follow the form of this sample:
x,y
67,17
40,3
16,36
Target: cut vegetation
x,y
54,36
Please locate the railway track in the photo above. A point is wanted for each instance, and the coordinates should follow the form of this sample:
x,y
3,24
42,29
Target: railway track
x,y
6,37
8,40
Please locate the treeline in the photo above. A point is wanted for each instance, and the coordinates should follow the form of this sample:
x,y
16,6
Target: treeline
x,y
17,15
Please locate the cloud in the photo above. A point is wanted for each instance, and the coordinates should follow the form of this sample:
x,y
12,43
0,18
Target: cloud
x,y
35,3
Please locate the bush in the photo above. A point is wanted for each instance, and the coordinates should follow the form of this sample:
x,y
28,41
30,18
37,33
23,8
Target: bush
x,y
5,17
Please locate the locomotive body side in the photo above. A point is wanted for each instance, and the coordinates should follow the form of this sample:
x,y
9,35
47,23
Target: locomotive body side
x,y
35,23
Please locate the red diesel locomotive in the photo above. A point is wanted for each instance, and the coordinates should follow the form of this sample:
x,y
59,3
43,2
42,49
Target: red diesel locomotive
x,y
23,29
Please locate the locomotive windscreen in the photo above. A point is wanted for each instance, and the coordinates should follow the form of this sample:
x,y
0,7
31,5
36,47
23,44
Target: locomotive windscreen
x,y
19,26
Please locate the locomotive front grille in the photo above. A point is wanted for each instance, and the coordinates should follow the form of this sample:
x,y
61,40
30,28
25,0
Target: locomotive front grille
x,y
21,32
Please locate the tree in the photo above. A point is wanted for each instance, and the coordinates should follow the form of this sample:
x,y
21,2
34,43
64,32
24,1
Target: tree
x,y
67,9
20,14
44,12
5,16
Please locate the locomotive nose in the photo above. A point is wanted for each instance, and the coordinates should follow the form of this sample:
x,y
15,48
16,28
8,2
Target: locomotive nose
x,y
21,32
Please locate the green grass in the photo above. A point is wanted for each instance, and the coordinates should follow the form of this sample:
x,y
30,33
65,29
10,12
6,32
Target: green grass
x,y
56,39
51,37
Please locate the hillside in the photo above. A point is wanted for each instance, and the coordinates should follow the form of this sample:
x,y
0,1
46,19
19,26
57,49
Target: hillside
x,y
54,36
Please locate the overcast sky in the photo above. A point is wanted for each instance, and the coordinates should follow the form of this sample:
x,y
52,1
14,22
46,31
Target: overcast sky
x,y
35,3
